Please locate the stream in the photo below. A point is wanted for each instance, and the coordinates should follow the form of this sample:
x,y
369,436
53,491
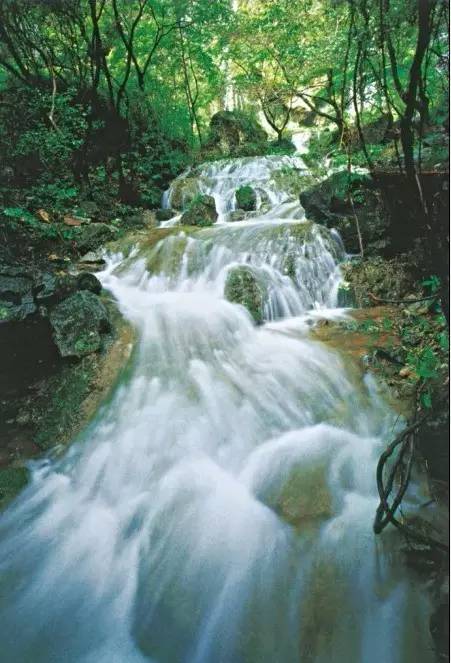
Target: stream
x,y
219,508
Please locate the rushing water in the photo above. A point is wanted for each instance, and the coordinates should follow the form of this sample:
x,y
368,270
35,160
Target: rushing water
x,y
219,509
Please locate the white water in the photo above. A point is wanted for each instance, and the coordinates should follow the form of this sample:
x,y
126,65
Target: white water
x,y
219,509
221,179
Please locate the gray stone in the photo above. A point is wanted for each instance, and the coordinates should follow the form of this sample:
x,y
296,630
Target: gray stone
x,y
78,323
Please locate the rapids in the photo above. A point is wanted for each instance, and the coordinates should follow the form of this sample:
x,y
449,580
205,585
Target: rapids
x,y
219,508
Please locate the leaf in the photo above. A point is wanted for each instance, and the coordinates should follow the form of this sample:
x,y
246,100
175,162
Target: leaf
x,y
426,399
43,215
72,221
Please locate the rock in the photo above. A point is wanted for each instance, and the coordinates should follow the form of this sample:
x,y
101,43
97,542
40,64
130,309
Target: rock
x,y
231,129
45,287
94,235
327,203
78,323
150,218
201,212
88,281
12,480
405,372
141,219
16,298
164,214
387,279
246,198
92,258
237,215
241,287
183,191
89,208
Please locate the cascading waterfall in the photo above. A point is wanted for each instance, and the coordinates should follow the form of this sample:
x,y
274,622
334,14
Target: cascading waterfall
x,y
219,508
221,179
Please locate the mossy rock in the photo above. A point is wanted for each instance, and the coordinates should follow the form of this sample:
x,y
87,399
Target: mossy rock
x,y
70,398
231,129
201,212
164,214
12,481
16,298
241,287
237,215
289,180
246,198
183,191
78,323
92,235
386,279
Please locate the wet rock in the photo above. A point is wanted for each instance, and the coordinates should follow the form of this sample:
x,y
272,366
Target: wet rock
x,y
201,212
241,287
143,218
12,480
78,323
150,218
16,298
237,215
246,198
45,287
183,191
93,235
164,214
88,281
92,260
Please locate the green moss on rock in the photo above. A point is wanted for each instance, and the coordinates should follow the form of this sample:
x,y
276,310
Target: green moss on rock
x,y
78,323
12,481
201,212
241,287
246,198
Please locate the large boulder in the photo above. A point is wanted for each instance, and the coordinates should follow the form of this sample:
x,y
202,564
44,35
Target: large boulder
x,y
231,129
241,287
93,235
164,214
183,191
201,212
328,203
78,323
246,198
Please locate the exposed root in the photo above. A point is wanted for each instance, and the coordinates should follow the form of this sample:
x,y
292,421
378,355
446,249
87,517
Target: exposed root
x,y
401,470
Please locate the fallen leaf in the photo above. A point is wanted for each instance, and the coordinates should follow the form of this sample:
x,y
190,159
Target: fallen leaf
x,y
72,221
43,215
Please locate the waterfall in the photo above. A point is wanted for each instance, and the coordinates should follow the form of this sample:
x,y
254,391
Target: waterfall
x,y
219,508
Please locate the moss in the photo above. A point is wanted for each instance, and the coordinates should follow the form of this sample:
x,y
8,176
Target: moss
x,y
12,481
289,180
66,391
241,287
387,279
70,398
201,212
246,198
